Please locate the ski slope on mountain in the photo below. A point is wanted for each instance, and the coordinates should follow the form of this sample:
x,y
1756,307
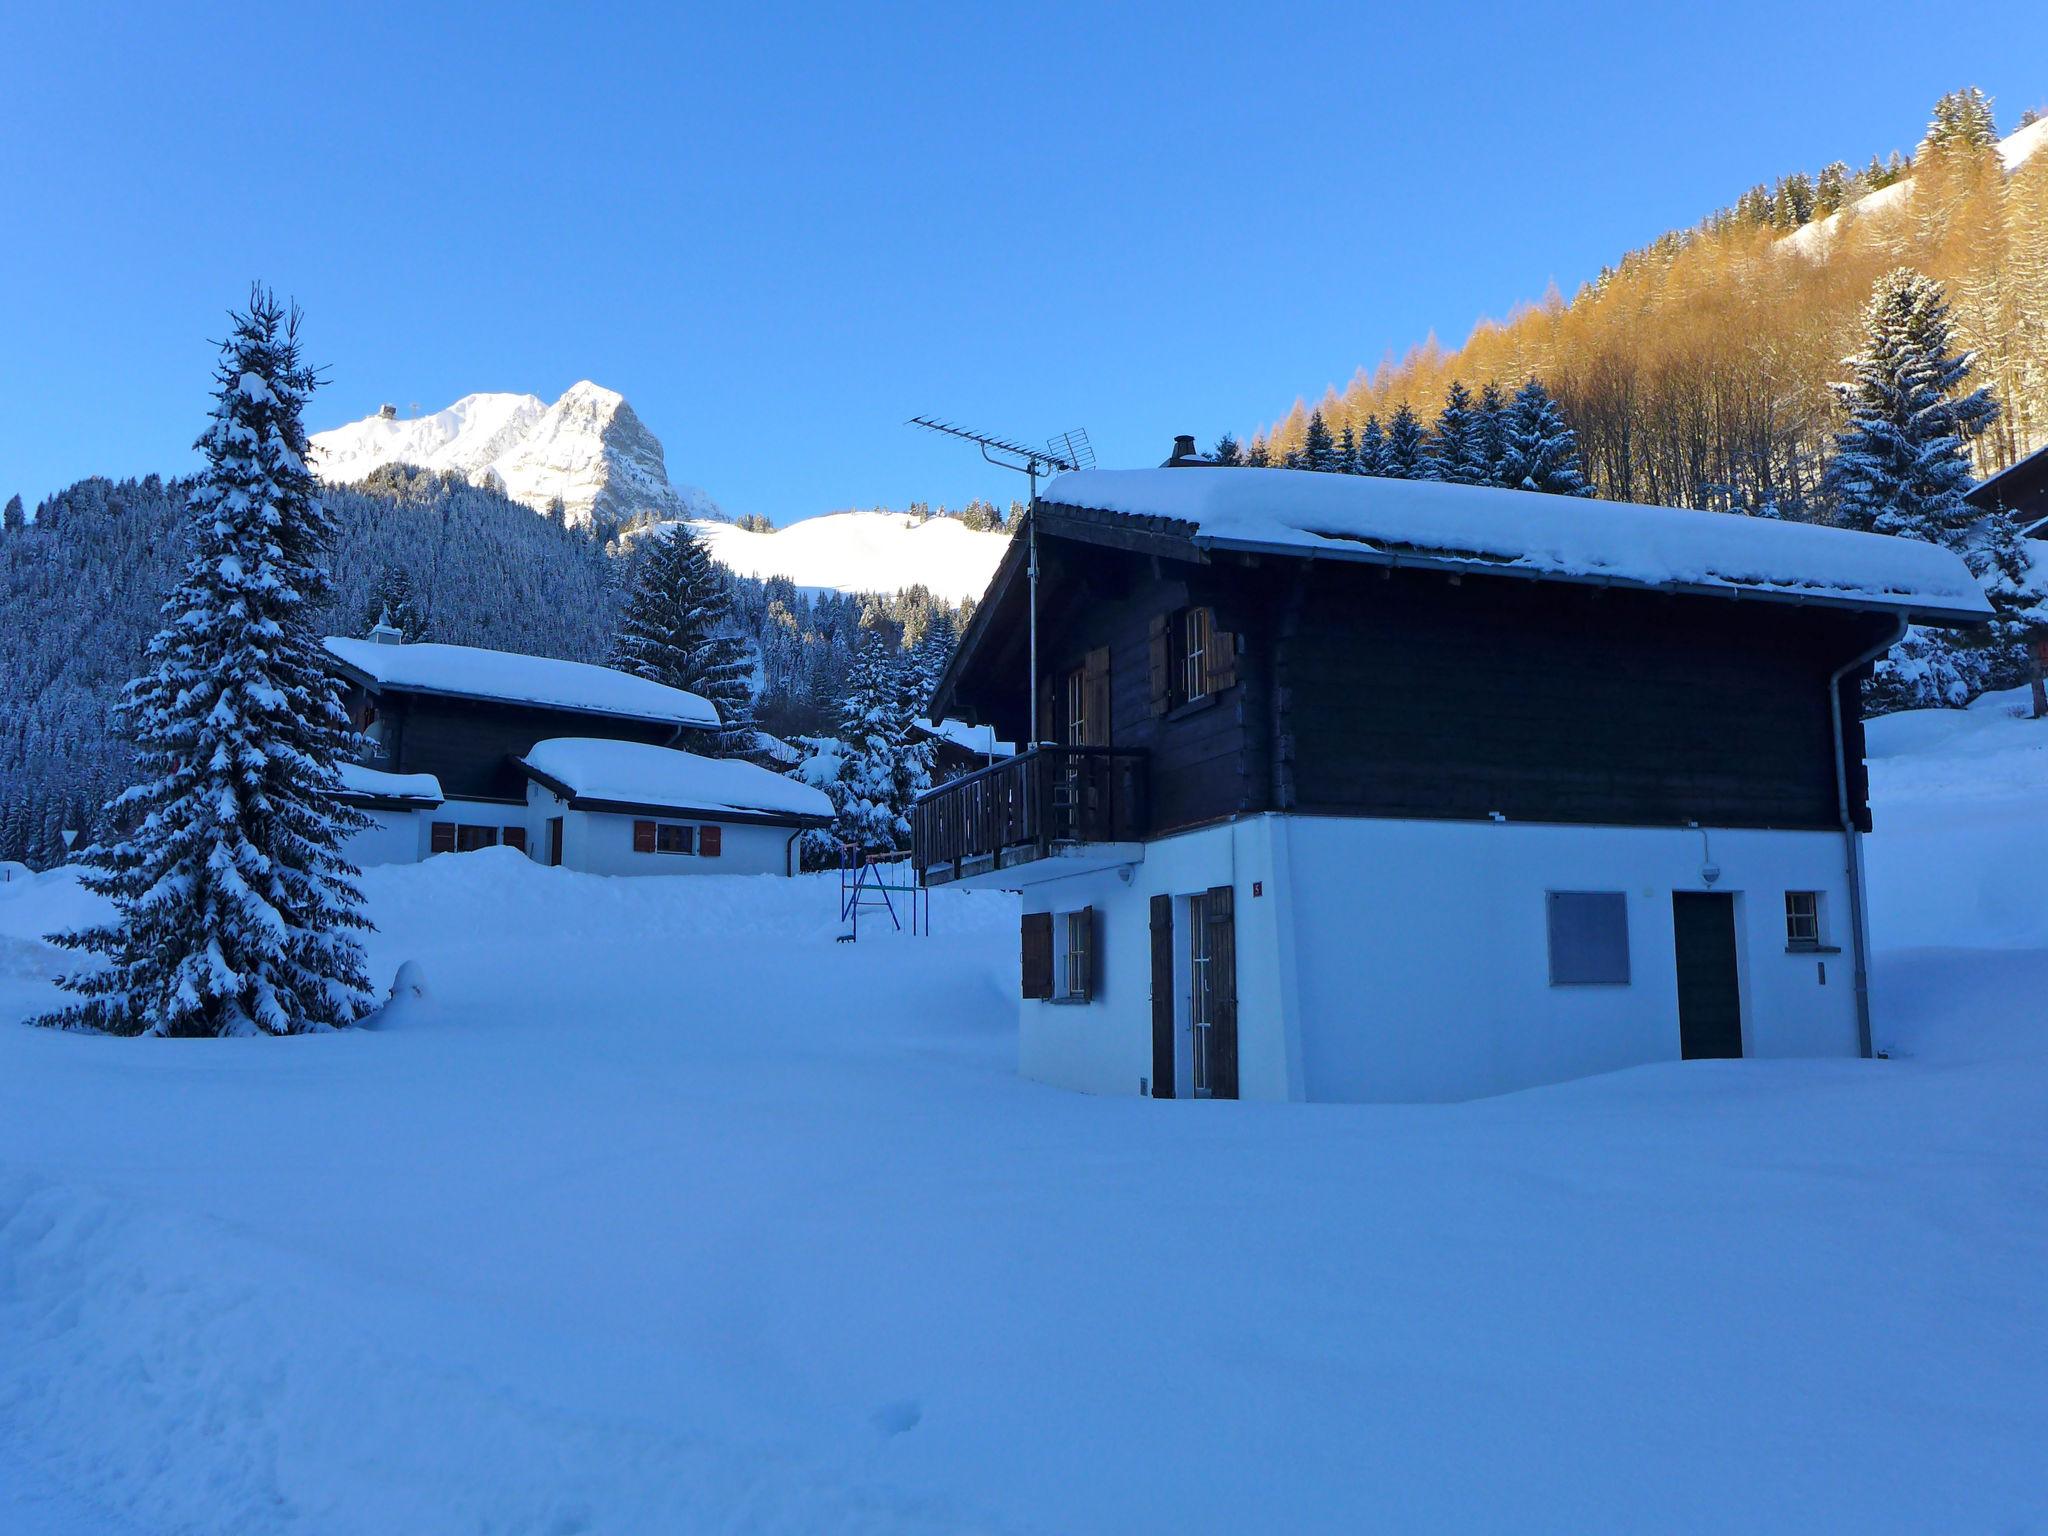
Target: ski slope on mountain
x,y
588,450
662,1211
864,552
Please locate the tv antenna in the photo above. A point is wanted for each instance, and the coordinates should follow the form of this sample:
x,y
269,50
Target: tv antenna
x,y
1065,454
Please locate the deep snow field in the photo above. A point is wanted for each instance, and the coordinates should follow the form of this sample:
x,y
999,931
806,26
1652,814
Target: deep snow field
x,y
665,1213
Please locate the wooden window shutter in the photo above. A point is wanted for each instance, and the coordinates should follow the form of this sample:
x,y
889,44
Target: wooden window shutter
x,y
711,841
1048,698
643,837
1223,975
1095,688
1090,922
515,837
441,837
1162,997
1162,663
1222,656
1037,955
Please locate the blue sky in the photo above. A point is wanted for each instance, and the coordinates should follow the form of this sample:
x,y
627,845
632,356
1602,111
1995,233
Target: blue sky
x,y
780,231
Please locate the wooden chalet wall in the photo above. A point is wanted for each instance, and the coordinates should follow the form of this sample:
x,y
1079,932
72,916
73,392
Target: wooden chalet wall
x,y
469,745
1372,692
1408,694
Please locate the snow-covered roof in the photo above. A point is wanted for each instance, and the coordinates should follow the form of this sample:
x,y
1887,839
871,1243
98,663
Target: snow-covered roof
x,y
376,783
467,672
634,773
1522,533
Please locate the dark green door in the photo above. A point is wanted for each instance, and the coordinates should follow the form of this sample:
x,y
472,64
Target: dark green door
x,y
1709,986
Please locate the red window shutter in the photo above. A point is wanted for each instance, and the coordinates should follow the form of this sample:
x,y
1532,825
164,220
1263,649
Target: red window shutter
x,y
515,837
643,837
441,837
711,841
1223,977
1037,956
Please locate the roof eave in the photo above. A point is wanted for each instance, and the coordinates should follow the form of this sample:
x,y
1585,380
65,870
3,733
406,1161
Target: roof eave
x,y
1368,554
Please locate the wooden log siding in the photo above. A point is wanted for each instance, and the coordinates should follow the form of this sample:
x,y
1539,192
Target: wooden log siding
x,y
470,746
1022,808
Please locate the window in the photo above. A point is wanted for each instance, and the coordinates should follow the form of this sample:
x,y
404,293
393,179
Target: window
x,y
441,837
1196,633
1077,707
674,837
515,837
1588,938
1076,978
1201,995
469,839
1802,919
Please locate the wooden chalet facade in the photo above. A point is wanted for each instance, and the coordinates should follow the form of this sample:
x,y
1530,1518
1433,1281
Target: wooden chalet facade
x,y
1307,793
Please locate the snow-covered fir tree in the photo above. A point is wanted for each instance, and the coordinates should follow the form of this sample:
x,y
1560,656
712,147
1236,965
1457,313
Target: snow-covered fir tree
x,y
1493,431
1460,446
1407,455
1539,449
1319,447
677,630
1903,463
1259,455
867,791
1371,455
395,603
13,519
1227,452
2014,574
234,912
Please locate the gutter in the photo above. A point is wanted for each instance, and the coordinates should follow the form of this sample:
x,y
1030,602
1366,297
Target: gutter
x,y
1859,917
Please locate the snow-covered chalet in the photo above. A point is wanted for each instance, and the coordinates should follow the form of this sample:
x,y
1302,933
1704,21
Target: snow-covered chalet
x,y
1360,789
572,764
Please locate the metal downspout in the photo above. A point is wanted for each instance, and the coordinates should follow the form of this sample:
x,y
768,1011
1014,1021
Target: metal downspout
x,y
1859,929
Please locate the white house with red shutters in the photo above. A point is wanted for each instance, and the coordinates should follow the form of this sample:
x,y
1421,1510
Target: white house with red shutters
x,y
574,765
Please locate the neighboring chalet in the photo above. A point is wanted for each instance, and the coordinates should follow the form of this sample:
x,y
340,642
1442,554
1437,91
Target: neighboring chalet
x,y
1351,788
572,764
2021,488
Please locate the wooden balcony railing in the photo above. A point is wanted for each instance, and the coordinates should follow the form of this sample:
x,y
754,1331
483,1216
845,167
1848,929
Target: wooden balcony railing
x,y
1022,809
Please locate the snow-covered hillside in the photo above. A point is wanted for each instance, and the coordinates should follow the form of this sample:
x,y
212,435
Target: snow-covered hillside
x,y
664,1212
864,552
1813,239
589,450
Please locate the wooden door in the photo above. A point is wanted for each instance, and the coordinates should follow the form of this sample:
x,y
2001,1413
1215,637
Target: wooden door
x,y
554,840
1709,980
1162,997
1223,993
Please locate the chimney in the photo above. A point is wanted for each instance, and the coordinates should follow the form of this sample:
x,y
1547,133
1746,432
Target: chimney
x,y
1184,453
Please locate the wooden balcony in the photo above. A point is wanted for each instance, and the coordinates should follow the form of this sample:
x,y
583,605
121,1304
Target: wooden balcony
x,y
1046,803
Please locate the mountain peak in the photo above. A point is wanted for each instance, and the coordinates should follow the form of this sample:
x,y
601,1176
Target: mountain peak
x,y
589,450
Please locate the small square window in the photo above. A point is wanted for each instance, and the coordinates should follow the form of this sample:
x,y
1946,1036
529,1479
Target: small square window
x,y
1802,919
1588,938
673,837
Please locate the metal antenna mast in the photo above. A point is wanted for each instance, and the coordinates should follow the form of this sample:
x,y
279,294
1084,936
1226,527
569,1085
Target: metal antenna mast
x,y
1068,452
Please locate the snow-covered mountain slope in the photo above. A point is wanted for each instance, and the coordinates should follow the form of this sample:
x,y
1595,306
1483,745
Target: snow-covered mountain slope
x,y
864,552
1813,239
589,449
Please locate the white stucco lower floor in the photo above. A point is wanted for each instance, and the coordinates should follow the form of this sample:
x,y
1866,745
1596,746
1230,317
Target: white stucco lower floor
x,y
1383,960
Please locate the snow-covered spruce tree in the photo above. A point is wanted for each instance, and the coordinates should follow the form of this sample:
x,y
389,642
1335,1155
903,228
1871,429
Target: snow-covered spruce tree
x,y
1371,457
2014,574
1493,432
1460,445
13,519
911,772
1903,463
396,602
1407,455
1227,451
1319,447
234,910
871,734
1539,450
675,631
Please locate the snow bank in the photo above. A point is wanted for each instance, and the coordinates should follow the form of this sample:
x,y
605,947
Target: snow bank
x,y
863,552
1486,529
467,672
1813,238
638,774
